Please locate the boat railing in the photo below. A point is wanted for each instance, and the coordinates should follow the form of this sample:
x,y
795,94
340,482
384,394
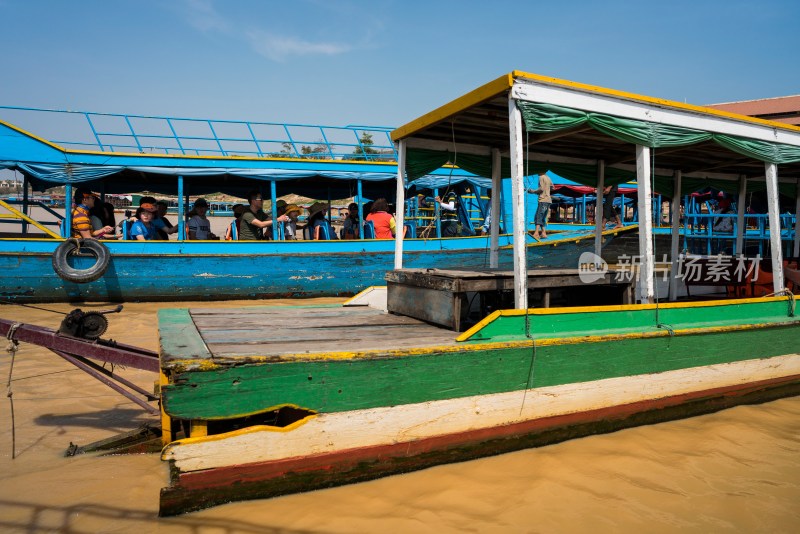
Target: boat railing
x,y
149,134
16,217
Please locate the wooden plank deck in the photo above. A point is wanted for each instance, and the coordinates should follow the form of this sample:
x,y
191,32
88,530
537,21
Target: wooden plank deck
x,y
236,336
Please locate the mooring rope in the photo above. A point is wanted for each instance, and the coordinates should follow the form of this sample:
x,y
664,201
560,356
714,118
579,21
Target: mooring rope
x,y
11,348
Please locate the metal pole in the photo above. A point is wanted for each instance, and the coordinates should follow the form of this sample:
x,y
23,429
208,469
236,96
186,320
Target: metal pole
x,y
646,282
776,253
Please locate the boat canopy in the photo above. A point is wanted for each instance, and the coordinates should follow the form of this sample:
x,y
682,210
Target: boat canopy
x,y
569,140
522,124
102,167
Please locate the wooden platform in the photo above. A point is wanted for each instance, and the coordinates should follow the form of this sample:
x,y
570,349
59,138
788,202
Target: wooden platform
x,y
236,336
447,296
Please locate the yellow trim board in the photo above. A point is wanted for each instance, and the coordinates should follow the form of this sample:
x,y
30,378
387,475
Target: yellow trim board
x,y
505,82
481,94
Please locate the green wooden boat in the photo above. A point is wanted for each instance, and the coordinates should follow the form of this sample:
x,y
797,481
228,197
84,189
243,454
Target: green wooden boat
x,y
275,400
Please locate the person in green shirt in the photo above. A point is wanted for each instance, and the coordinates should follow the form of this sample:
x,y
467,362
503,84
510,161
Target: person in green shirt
x,y
254,221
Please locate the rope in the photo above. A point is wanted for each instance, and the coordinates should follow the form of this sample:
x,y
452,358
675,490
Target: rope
x,y
533,359
11,348
12,303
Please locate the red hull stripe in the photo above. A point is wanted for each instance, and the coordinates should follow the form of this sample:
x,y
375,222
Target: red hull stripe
x,y
347,459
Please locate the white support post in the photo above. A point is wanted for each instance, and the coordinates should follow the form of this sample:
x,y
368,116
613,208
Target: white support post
x,y
598,208
400,205
796,247
494,224
776,253
740,208
646,283
518,205
675,244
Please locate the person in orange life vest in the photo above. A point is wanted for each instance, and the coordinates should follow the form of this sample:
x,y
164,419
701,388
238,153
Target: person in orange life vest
x,y
385,226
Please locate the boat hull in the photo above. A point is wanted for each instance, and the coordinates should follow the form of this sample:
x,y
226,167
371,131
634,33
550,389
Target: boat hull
x,y
168,271
582,371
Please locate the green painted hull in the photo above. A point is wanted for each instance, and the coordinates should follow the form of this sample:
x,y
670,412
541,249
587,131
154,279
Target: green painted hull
x,y
565,347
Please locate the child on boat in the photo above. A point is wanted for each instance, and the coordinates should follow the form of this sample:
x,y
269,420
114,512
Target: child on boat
x,y
199,225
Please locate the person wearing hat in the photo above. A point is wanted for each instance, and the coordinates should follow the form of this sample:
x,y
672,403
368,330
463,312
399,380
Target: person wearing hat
x,y
316,219
145,229
290,226
81,219
254,221
199,225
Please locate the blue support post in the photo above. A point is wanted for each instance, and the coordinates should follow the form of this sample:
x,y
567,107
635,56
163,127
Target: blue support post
x,y
25,202
181,209
436,212
360,201
273,195
66,230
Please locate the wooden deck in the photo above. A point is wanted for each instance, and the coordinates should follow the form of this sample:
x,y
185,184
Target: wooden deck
x,y
236,336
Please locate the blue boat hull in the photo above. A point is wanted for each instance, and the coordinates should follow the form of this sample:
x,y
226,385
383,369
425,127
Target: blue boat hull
x,y
168,271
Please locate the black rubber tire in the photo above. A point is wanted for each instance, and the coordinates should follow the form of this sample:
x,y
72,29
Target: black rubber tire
x,y
81,276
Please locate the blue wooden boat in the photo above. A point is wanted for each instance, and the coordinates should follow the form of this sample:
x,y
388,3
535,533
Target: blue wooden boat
x,y
203,270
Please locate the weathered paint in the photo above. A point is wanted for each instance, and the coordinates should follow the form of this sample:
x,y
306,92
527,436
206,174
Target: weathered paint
x,y
207,270
327,433
202,489
383,378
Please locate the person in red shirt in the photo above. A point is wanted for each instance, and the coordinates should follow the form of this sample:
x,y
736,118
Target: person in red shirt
x,y
383,221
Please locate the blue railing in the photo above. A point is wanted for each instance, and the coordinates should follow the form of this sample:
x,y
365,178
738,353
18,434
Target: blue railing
x,y
111,132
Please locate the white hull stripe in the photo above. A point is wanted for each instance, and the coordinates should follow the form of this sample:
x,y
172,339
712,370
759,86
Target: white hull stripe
x,y
334,432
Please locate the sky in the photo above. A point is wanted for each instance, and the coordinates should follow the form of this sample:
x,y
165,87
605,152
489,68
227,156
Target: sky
x,y
382,62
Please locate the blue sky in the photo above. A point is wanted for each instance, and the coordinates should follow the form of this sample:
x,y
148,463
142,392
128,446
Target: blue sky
x,y
382,62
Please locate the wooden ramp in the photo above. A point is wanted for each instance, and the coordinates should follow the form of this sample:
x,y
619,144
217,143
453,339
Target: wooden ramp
x,y
235,336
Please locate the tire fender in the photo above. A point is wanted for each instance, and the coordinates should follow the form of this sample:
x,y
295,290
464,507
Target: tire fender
x,y
75,245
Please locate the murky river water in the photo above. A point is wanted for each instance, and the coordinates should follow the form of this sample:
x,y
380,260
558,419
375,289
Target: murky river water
x,y
734,471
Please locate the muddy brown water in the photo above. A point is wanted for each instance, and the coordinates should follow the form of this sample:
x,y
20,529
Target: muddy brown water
x,y
734,471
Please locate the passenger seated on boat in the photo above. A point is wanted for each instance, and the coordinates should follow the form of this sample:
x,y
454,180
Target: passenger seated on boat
x,y
232,233
254,221
101,216
290,227
384,223
199,225
162,207
318,226
351,229
144,229
81,219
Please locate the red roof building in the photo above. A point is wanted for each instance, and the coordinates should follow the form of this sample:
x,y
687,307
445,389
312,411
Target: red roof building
x,y
780,109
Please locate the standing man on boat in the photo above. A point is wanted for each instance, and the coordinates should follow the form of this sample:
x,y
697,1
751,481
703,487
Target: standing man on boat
x,y
254,221
609,213
81,220
449,213
543,209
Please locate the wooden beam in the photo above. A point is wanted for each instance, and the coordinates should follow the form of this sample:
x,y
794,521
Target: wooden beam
x,y
773,205
740,206
645,194
543,138
676,236
518,203
598,208
400,204
494,225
